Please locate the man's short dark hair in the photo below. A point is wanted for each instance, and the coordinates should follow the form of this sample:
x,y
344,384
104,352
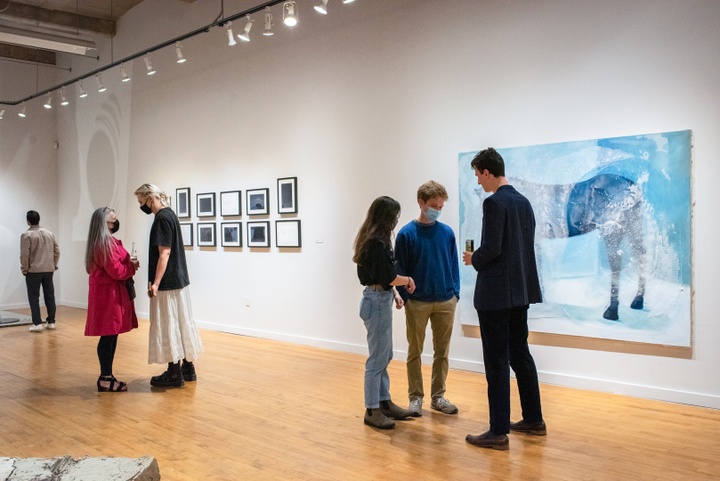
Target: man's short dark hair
x,y
491,160
33,217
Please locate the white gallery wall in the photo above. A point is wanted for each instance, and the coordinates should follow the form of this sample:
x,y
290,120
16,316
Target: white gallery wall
x,y
374,99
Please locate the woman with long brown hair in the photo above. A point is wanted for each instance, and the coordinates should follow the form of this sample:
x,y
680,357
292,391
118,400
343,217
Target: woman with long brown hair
x,y
376,271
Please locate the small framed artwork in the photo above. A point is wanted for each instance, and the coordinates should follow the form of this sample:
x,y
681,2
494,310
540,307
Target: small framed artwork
x,y
206,234
206,205
182,202
287,195
231,234
230,203
257,202
258,234
186,231
287,233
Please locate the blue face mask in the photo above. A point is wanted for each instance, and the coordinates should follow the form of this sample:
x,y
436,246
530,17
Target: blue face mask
x,y
432,214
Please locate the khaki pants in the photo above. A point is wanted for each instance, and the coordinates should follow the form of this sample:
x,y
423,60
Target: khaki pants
x,y
442,317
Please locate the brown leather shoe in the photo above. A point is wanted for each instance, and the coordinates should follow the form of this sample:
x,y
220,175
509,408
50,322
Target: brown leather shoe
x,y
376,419
535,429
489,440
393,411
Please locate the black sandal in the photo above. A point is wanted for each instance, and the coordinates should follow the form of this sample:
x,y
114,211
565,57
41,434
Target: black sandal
x,y
115,385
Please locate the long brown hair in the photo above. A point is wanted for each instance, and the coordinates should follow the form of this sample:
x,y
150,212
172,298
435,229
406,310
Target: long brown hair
x,y
381,219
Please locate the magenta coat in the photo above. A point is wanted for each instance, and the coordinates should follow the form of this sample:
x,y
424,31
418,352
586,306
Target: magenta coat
x,y
110,310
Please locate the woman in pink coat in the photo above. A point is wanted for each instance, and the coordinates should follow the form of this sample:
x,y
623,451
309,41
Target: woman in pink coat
x,y
111,311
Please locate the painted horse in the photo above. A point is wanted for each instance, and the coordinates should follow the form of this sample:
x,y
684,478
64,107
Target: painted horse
x,y
607,203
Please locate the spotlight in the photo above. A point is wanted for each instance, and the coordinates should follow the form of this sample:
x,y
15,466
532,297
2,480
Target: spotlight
x,y
322,7
22,112
123,73
348,1
180,58
231,37
101,87
290,17
48,102
268,23
2,112
83,94
63,98
246,34
148,64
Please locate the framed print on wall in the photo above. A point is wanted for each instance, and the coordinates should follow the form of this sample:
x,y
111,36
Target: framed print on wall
x,y
186,231
258,234
206,234
182,202
231,234
206,205
230,203
257,202
287,195
287,233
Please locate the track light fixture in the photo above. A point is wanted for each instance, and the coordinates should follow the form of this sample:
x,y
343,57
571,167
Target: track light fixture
x,y
123,74
48,102
22,112
63,98
322,7
290,17
268,23
231,37
101,87
2,112
83,93
178,52
148,64
245,36
348,1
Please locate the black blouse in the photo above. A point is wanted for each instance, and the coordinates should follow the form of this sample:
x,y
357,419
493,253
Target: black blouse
x,y
377,266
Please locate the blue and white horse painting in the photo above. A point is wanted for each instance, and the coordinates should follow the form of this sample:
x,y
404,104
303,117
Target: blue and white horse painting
x,y
612,239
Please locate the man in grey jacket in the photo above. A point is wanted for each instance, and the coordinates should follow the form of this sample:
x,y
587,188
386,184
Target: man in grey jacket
x,y
39,255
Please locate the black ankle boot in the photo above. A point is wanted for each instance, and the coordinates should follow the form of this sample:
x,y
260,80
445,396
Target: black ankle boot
x,y
171,378
188,371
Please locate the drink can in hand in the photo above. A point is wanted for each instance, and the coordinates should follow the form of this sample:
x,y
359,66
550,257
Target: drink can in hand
x,y
470,245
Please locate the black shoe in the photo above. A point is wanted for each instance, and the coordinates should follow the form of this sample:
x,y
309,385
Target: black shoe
x,y
188,371
168,379
489,440
536,429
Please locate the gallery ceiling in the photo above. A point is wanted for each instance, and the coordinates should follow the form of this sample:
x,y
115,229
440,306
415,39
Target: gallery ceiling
x,y
23,22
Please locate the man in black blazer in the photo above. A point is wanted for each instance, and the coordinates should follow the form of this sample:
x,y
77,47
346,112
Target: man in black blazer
x,y
507,283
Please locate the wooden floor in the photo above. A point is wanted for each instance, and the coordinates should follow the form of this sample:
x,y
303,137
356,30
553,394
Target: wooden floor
x,y
270,410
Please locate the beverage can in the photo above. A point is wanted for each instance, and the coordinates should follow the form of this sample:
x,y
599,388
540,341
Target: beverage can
x,y
470,245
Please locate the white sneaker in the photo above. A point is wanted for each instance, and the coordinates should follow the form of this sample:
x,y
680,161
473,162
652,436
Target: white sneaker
x,y
35,328
415,407
443,405
50,326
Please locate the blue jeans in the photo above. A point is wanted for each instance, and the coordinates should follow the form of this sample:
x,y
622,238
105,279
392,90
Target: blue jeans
x,y
376,312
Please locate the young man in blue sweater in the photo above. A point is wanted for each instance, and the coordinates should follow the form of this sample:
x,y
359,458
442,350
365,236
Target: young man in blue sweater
x,y
425,250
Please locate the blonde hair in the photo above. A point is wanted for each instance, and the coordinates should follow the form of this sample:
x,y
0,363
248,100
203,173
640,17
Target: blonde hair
x,y
430,190
151,190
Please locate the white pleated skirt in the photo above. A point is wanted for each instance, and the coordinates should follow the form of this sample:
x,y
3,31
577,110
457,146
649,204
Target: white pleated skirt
x,y
173,335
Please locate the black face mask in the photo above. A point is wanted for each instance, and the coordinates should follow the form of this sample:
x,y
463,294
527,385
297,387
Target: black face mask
x,y
146,209
115,227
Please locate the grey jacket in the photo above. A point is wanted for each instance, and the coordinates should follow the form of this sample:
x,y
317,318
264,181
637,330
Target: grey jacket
x,y
39,252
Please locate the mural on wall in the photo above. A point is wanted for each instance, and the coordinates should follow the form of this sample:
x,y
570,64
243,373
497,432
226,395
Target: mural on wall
x,y
612,239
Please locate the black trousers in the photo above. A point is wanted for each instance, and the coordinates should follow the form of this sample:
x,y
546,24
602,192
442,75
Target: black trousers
x,y
504,340
33,281
106,353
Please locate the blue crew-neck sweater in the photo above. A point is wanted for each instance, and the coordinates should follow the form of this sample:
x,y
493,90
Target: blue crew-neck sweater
x,y
428,253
